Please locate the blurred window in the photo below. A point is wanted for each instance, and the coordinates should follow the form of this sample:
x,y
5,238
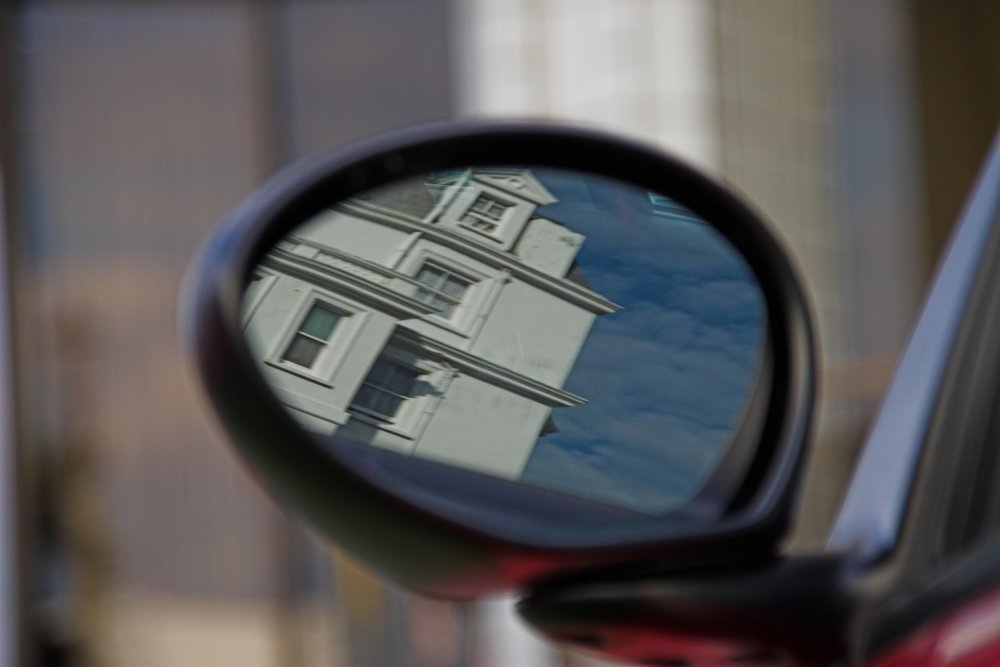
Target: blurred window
x,y
485,214
388,386
442,288
312,336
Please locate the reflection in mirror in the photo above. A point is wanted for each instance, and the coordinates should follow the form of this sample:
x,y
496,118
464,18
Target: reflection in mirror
x,y
557,328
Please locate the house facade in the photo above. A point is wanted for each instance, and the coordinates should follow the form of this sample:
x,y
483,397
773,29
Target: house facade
x,y
437,317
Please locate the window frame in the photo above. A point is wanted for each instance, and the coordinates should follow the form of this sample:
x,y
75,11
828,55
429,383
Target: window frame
x,y
483,281
383,389
338,346
416,411
301,333
509,227
895,525
875,507
479,216
448,272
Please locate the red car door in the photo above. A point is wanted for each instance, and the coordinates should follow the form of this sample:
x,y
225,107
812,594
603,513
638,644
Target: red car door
x,y
968,637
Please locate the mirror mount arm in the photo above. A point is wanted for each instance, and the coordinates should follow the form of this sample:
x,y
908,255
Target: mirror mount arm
x,y
795,610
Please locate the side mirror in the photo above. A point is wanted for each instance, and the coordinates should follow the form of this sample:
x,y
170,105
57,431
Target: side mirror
x,y
483,356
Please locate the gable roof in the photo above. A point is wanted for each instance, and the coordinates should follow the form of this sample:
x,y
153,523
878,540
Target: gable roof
x,y
517,181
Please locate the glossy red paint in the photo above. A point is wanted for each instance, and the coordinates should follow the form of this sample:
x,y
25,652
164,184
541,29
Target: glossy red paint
x,y
652,646
969,637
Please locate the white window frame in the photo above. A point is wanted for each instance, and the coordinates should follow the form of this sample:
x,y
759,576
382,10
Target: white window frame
x,y
448,271
498,223
473,300
405,399
511,223
337,347
319,342
415,411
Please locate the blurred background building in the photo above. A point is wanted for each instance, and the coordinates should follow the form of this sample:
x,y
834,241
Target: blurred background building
x,y
129,128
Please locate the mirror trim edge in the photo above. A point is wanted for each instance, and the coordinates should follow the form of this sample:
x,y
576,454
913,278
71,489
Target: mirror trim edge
x,y
756,515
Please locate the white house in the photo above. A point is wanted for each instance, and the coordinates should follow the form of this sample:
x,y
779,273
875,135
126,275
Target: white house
x,y
437,317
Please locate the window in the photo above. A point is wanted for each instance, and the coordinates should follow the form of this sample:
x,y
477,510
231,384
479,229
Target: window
x,y
388,386
440,288
311,337
485,214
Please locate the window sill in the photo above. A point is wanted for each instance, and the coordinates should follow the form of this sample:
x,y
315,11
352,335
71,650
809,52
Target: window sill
x,y
298,371
378,422
492,236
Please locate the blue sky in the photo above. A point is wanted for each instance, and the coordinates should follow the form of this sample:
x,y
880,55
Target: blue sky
x,y
667,377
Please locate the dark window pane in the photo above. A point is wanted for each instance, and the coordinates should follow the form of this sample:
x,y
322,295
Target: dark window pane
x,y
303,351
402,380
377,401
443,291
380,373
388,384
311,336
485,214
429,275
454,287
320,322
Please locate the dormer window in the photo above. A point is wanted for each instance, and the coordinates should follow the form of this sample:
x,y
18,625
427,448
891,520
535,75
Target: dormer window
x,y
485,214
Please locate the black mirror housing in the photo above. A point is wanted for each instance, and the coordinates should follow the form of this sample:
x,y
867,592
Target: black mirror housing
x,y
455,531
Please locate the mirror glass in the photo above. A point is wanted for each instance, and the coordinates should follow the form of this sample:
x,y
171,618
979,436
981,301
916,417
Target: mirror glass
x,y
560,329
